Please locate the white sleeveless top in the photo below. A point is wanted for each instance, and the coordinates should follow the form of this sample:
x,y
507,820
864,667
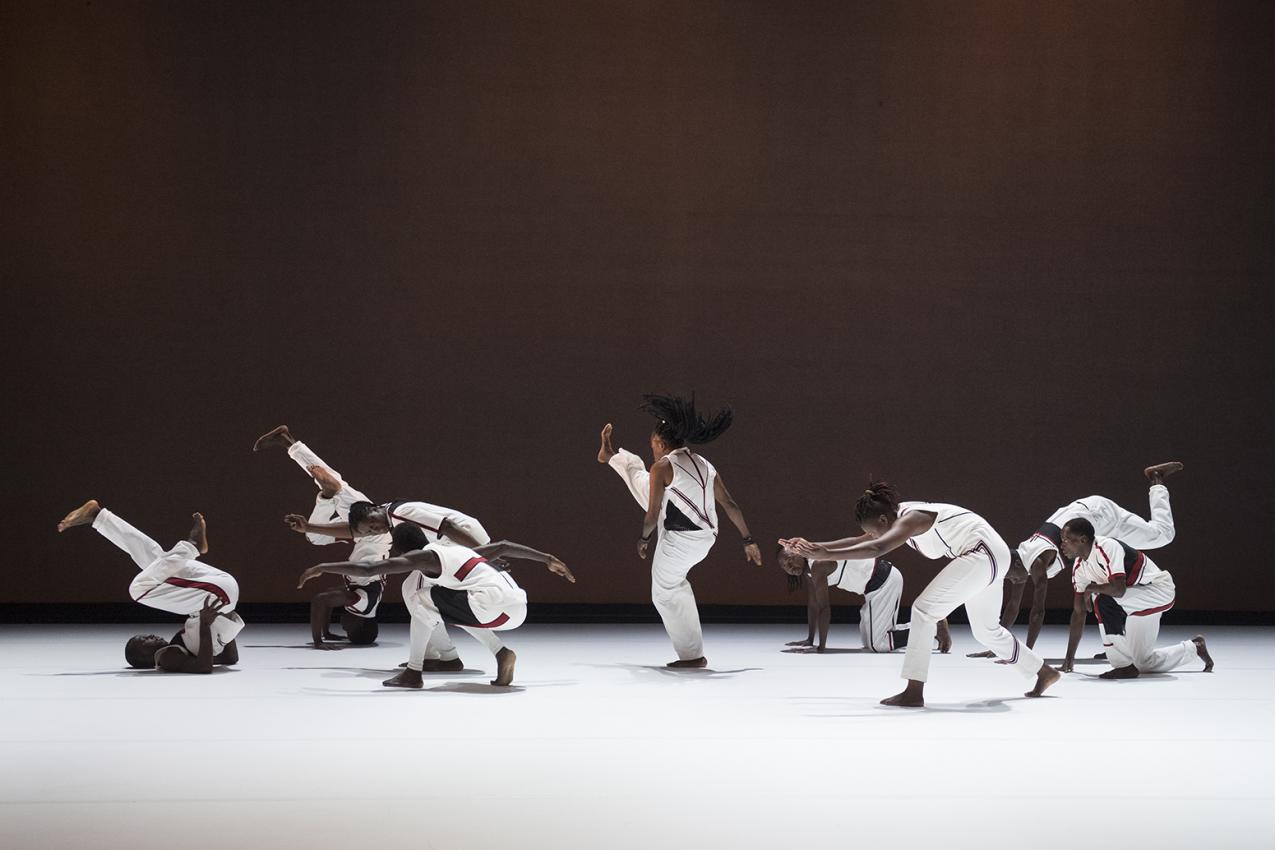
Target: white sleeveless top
x,y
692,490
955,530
852,574
465,569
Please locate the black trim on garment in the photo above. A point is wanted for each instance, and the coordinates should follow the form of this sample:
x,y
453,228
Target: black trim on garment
x,y
453,605
675,520
880,572
1110,614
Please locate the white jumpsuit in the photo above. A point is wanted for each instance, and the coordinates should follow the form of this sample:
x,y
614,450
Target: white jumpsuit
x,y
973,578
879,614
430,518
687,531
470,593
1109,520
376,547
1131,623
176,582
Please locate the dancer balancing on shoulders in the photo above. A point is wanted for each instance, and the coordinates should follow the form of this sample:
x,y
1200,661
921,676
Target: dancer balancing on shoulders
x,y
973,578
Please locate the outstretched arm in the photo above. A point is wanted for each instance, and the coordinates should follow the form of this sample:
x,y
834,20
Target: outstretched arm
x,y
321,614
819,573
301,525
751,550
422,559
1078,610
1040,586
509,549
909,525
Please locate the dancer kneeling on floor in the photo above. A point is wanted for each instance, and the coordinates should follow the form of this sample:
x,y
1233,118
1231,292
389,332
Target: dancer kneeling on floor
x,y
1127,593
458,585
973,578
877,584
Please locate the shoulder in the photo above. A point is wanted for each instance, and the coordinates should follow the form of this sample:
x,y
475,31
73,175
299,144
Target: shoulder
x,y
823,568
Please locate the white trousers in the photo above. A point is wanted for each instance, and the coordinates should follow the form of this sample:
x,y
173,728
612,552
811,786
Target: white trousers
x,y
879,615
175,581
1111,520
1137,647
429,638
171,580
974,580
675,554
632,469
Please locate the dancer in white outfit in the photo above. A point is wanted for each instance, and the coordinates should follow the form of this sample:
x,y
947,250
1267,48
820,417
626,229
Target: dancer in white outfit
x,y
463,588
1127,593
173,580
437,523
360,597
877,584
1037,556
680,495
972,578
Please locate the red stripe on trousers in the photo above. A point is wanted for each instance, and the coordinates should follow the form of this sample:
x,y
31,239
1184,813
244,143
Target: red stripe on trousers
x,y
200,585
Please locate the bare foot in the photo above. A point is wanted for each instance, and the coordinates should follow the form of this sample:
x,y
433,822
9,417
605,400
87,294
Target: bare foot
x,y
987,653
913,696
1129,672
1045,677
199,533
1100,656
944,635
606,452
688,664
405,678
437,665
1203,651
505,660
1156,474
83,515
278,437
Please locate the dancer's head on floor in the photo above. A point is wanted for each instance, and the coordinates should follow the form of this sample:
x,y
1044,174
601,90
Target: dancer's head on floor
x,y
680,424
361,631
140,651
1077,538
367,518
406,538
877,508
794,565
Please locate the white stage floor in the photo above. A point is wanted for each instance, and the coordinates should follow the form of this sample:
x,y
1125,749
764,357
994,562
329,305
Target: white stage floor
x,y
599,747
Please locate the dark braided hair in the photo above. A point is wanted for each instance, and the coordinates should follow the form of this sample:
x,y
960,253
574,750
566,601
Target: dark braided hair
x,y
880,499
681,423
794,582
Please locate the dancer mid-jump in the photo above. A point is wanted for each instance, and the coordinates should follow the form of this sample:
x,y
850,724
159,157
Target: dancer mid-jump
x,y
680,494
973,578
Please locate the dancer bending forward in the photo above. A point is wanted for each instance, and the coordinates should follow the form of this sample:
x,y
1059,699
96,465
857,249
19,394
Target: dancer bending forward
x,y
459,586
973,578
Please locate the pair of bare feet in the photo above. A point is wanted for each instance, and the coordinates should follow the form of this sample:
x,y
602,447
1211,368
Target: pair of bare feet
x,y
409,678
87,512
913,696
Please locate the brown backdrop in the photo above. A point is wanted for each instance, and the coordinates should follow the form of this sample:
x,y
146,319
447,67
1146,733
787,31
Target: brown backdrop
x,y
1003,253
